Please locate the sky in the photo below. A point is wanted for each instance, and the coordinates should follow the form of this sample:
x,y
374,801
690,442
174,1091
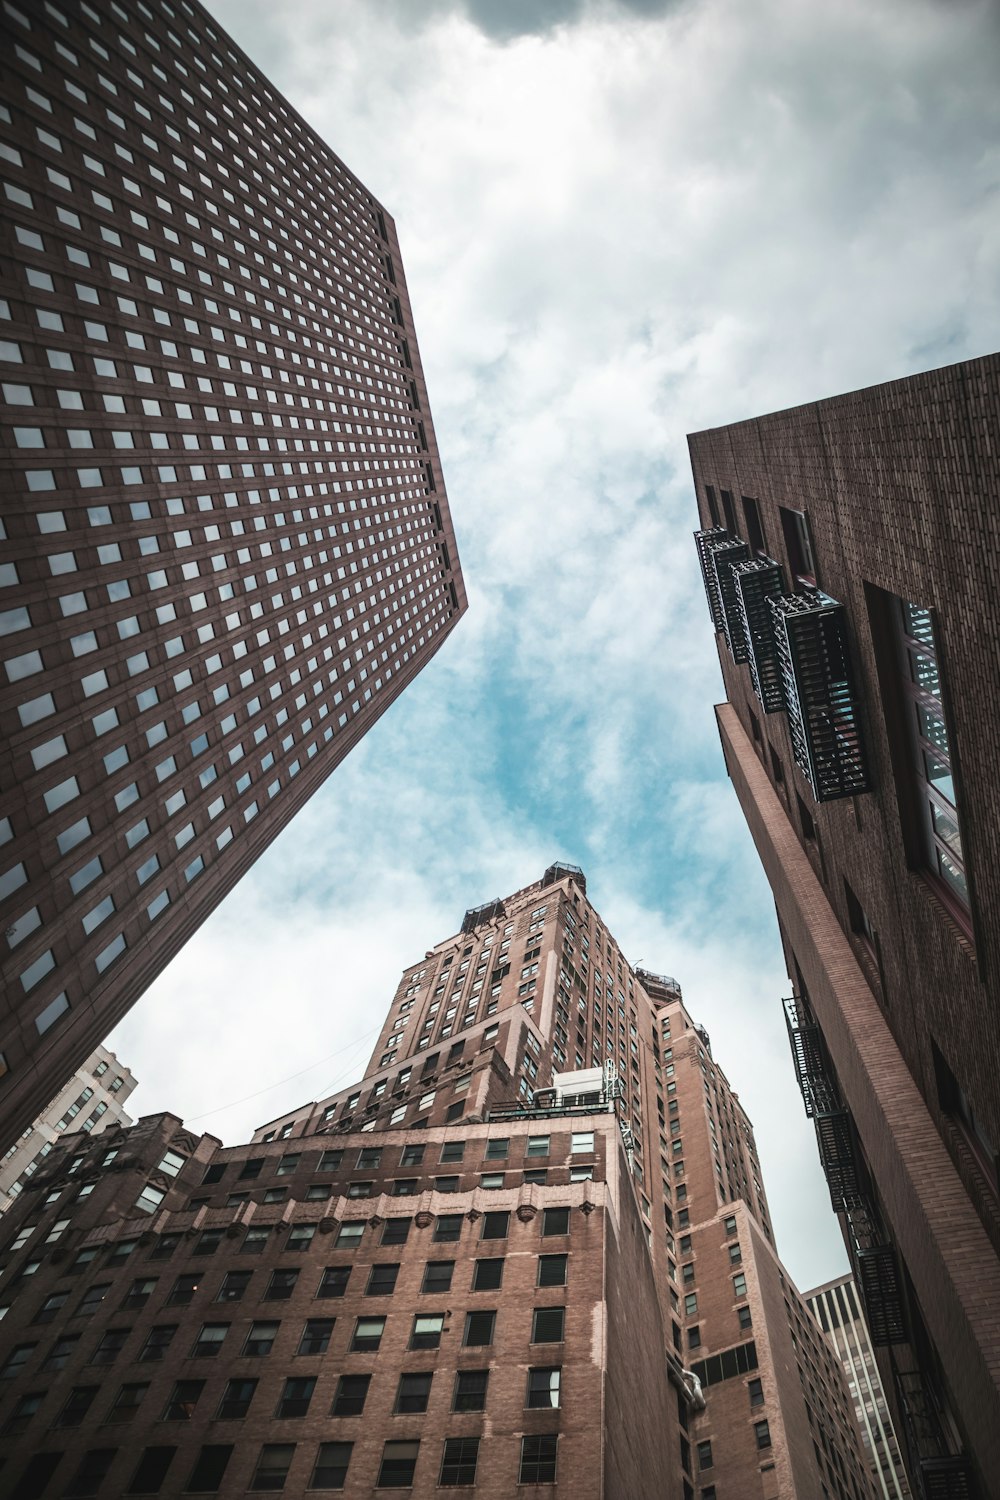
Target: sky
x,y
620,223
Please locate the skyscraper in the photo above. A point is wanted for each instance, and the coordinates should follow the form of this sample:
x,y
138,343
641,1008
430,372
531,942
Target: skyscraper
x,y
530,1248
836,1308
849,552
91,1099
226,545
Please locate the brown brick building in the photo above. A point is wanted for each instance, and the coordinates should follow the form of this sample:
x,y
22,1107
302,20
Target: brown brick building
x,y
529,1252
225,545
849,550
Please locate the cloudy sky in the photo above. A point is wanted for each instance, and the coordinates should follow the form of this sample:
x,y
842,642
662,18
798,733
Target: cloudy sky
x,y
620,223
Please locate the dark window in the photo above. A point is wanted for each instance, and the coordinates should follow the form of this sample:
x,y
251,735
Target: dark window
x,y
92,1299
470,1390
552,1270
209,1469
755,1390
367,1335
412,1156
127,1401
746,1321
349,1400
296,1396
281,1285
252,1168
538,1459
705,1454
209,1341
234,1284
334,1281
448,1227
332,1463
694,1337
184,1288
183,1400
236,1399
405,1187
713,508
215,1172
806,820
762,1433
446,1184
453,1151
798,544
437,1276
398,1463
955,1102
36,1475
547,1325
487,1275
165,1247
260,1339
479,1327
150,1471
543,1386
208,1242
90,1472
729,511
111,1345
272,1466
316,1336
47,1312
288,1164
458,1461
858,919
330,1161
497,1149
495,1225
25,1410
555,1221
139,1293
76,1405
382,1279
754,528
413,1392
61,1352
395,1231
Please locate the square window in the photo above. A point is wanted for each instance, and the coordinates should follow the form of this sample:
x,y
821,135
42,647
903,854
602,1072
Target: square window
x,y
552,1270
350,1396
296,1396
367,1335
427,1330
555,1221
448,1227
382,1279
260,1339
538,1145
547,1325
317,1333
487,1275
437,1276
395,1231
413,1392
399,1460
495,1225
543,1386
479,1329
538,1459
470,1390
236,1399
458,1461
497,1149
332,1463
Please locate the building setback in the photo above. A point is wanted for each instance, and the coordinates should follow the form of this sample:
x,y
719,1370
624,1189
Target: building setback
x,y
91,1100
530,1248
837,1310
849,553
226,546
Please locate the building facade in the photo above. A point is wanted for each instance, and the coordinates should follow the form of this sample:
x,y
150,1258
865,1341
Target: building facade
x,y
837,1309
91,1100
850,579
529,1252
226,545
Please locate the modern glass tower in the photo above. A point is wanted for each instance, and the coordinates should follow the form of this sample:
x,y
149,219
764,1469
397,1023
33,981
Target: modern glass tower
x,y
225,545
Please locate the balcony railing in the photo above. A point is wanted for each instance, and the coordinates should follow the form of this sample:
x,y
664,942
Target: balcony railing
x,y
756,583
725,556
876,1272
941,1474
811,637
706,542
808,1053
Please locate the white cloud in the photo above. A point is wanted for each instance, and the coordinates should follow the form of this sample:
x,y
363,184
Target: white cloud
x,y
614,232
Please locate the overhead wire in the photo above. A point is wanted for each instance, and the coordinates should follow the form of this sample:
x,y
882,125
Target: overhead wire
x,y
339,1052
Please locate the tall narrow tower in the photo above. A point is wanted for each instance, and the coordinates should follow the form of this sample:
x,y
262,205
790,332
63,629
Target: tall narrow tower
x,y
226,545
530,1247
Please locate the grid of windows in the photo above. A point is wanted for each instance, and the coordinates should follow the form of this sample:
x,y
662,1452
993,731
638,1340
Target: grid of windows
x,y
225,533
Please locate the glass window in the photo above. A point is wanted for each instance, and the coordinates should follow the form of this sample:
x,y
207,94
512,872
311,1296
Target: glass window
x,y
458,1461
367,1335
547,1325
399,1460
543,1386
330,1469
351,1394
538,1459
427,1330
413,1392
470,1390
479,1329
